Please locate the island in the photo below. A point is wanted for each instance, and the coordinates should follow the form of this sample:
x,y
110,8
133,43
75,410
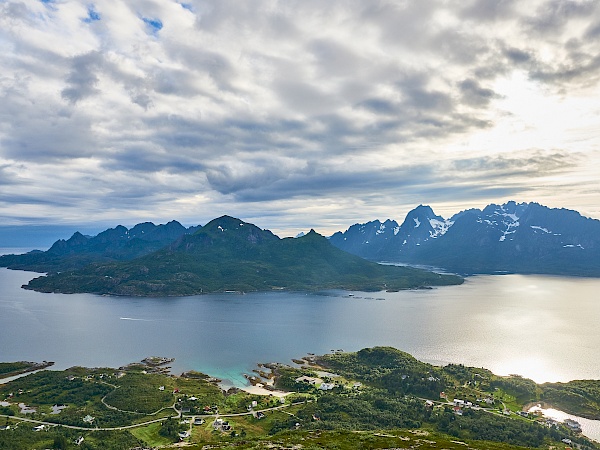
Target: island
x,y
229,255
376,398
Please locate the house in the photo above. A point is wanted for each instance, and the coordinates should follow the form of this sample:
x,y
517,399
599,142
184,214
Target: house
x,y
458,402
198,421
192,398
327,386
309,380
457,411
573,425
254,403
79,440
39,428
443,395
429,403
88,419
162,388
260,415
184,435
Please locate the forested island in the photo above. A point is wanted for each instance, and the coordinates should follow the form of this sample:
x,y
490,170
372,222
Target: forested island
x,y
376,398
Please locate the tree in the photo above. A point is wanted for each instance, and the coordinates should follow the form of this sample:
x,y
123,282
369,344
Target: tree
x,y
60,442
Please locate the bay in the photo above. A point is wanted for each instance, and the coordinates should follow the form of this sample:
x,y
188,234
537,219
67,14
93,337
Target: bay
x,y
544,328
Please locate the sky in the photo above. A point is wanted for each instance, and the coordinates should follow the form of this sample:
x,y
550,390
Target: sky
x,y
294,114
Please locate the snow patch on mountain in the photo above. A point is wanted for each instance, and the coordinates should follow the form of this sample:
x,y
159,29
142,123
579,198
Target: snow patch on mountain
x,y
439,227
573,246
508,230
417,222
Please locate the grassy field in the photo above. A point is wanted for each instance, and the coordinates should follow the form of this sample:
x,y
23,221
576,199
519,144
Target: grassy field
x,y
149,435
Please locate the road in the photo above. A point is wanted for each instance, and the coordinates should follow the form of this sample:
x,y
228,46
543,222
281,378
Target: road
x,y
143,424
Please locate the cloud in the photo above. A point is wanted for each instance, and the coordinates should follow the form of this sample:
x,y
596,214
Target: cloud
x,y
530,163
475,95
160,107
82,80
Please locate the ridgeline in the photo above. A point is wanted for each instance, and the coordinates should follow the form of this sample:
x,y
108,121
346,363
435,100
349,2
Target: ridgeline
x,y
229,255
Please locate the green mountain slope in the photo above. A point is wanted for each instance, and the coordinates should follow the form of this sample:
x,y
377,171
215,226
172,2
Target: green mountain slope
x,y
231,255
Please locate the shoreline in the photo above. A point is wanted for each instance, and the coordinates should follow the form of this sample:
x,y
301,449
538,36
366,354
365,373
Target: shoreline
x,y
545,405
9,376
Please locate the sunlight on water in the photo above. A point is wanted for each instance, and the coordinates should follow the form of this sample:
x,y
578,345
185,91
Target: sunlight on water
x,y
590,428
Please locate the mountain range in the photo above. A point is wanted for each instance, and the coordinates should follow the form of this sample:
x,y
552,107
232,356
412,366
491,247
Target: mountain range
x,y
228,254
513,237
508,238
113,244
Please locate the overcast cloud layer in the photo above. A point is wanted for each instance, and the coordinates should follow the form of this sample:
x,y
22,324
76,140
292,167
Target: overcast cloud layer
x,y
295,114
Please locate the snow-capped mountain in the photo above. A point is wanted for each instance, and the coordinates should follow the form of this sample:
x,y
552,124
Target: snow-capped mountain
x,y
375,239
513,237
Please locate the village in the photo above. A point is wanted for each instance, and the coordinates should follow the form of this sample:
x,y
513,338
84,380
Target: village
x,y
160,408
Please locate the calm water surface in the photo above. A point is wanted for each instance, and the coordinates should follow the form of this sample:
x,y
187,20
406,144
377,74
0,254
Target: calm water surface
x,y
545,328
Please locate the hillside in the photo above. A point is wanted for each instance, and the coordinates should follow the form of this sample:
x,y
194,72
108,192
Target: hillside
x,y
376,398
231,255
